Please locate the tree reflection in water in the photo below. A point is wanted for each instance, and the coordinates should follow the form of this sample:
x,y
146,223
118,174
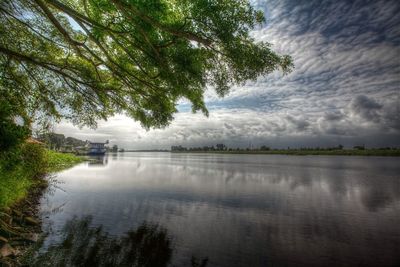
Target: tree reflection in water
x,y
81,245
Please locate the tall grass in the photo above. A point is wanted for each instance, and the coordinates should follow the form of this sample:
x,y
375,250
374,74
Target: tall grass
x,y
14,185
25,167
60,161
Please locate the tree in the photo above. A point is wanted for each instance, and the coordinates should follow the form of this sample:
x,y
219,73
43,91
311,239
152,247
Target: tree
x,y
84,245
114,148
74,142
85,60
221,147
54,140
14,125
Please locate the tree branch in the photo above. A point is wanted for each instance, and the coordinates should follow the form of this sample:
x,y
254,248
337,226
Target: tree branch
x,y
187,35
78,16
34,61
59,27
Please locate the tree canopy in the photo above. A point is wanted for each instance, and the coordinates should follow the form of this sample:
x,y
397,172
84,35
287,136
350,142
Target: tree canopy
x,y
85,60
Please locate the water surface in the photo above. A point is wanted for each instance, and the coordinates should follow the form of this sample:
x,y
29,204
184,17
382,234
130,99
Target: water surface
x,y
241,210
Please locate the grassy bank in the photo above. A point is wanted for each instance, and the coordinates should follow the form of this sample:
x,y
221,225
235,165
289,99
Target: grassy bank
x,y
299,152
25,167
60,161
22,183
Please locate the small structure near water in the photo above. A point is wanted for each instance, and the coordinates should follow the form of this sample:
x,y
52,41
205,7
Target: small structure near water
x,y
96,148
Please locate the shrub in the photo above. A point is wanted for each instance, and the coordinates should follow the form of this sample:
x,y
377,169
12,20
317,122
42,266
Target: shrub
x,y
34,159
19,168
58,161
11,134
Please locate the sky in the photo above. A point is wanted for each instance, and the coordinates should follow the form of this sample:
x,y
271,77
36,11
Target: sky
x,y
345,88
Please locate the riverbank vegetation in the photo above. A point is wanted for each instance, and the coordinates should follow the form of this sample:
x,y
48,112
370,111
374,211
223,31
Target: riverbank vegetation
x,y
24,163
338,150
25,167
58,161
82,244
20,169
22,183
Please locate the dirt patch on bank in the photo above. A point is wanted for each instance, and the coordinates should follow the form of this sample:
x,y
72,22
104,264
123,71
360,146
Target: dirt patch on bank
x,y
20,226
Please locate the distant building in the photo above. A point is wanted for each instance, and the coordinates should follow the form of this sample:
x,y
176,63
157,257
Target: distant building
x,y
221,147
178,148
97,148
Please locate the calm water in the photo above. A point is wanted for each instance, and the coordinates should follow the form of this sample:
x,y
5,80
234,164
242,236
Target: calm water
x,y
240,210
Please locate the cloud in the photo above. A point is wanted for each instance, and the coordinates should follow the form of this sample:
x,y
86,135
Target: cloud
x,y
362,119
363,116
333,116
300,124
367,108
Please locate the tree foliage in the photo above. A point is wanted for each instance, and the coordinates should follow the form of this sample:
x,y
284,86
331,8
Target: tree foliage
x,y
12,133
85,60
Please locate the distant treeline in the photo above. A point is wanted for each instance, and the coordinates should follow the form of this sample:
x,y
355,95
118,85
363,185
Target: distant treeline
x,y
336,150
57,141
146,150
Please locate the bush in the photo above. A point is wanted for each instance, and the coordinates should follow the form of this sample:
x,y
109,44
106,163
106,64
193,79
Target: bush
x,y
19,168
58,161
23,167
14,185
11,134
34,159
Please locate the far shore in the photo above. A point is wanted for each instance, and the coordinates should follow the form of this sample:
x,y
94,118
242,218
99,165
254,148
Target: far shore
x,y
300,152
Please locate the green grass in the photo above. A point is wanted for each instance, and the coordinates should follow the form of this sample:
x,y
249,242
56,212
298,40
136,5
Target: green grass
x,y
60,161
28,171
14,185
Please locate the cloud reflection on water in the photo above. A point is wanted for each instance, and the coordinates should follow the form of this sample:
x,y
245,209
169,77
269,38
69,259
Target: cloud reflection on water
x,y
248,211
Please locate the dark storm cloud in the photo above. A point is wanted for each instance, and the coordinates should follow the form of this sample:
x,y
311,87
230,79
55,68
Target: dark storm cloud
x,y
392,115
387,115
344,88
333,116
300,124
367,108
363,116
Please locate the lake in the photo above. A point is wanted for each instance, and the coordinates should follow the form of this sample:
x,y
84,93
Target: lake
x,y
232,210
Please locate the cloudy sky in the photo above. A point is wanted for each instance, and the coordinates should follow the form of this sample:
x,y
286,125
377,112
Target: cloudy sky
x,y
345,88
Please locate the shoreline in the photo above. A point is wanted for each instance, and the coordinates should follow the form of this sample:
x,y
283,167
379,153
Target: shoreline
x,y
22,226
20,222
367,152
